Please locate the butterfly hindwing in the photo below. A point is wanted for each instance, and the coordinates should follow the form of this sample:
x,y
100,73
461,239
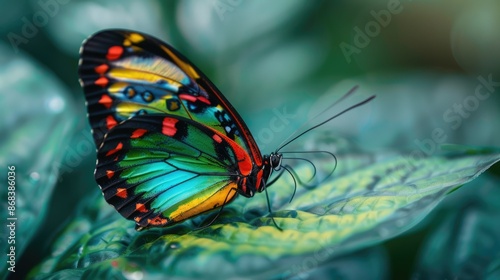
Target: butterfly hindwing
x,y
161,169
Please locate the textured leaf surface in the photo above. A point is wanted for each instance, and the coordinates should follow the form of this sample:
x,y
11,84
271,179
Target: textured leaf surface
x,y
367,201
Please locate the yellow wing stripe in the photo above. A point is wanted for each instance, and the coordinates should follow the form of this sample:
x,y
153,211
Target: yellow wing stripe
x,y
184,66
204,202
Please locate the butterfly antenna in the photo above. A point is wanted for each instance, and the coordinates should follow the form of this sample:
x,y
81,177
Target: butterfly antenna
x,y
352,90
327,120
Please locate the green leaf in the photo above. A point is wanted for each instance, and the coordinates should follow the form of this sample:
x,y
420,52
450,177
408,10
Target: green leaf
x,y
368,200
466,243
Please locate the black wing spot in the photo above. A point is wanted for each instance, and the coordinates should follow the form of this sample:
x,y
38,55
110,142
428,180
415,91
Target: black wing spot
x,y
130,92
147,96
227,123
173,105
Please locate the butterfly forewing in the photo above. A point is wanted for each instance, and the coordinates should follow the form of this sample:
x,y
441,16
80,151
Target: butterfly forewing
x,y
127,73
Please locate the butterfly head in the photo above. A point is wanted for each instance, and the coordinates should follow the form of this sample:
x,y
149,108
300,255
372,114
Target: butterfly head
x,y
275,159
256,181
272,162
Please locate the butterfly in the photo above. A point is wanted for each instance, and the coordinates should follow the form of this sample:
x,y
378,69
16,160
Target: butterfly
x,y
170,146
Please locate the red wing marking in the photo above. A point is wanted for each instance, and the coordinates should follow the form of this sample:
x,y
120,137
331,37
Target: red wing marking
x,y
217,138
114,52
244,185
204,100
110,173
141,207
257,157
157,221
187,97
121,192
169,128
191,98
106,101
118,147
110,122
102,81
259,180
101,69
244,162
138,133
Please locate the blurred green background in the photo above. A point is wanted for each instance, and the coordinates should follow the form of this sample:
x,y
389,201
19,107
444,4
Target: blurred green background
x,y
434,65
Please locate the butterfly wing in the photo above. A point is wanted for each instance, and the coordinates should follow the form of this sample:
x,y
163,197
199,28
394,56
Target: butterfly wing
x,y
133,83
127,73
161,169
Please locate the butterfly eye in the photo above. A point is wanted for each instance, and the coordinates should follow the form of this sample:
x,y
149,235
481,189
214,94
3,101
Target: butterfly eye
x,y
147,96
276,161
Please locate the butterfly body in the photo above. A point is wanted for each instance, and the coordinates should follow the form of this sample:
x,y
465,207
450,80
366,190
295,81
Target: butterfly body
x,y
170,145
